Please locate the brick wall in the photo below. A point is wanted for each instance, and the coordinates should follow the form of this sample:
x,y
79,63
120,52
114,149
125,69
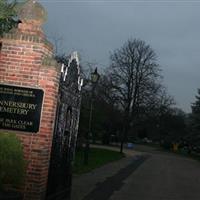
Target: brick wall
x,y
26,60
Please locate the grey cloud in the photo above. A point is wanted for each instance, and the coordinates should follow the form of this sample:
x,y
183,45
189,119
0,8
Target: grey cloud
x,y
171,28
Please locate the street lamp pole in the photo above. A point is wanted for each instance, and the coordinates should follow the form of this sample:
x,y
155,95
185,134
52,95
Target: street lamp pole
x,y
94,80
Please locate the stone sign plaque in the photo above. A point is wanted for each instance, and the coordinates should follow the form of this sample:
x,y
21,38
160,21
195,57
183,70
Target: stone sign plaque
x,y
20,108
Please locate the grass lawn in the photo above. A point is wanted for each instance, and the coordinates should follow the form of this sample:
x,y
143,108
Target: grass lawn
x,y
97,158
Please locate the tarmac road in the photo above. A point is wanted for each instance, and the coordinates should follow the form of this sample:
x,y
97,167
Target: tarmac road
x,y
150,175
162,177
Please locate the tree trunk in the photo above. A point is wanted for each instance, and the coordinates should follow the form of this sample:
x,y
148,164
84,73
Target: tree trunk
x,y
122,144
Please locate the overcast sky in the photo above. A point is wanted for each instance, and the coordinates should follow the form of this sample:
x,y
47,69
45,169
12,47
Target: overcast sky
x,y
96,28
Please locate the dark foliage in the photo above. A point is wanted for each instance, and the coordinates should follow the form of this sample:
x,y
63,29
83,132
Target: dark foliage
x,y
8,16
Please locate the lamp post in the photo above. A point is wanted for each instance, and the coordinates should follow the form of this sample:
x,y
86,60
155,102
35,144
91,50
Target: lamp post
x,y
94,80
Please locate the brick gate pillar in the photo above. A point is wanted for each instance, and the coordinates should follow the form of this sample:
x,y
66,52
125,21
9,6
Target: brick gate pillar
x,y
26,60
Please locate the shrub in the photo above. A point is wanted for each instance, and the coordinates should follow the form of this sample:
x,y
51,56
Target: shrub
x,y
12,164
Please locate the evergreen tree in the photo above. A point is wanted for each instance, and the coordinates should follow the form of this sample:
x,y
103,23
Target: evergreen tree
x,y
8,16
196,114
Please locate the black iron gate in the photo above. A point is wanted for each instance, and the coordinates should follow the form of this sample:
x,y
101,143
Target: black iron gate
x,y
59,181
66,127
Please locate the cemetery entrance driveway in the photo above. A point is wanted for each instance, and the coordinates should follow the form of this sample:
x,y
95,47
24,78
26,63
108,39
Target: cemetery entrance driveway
x,y
150,175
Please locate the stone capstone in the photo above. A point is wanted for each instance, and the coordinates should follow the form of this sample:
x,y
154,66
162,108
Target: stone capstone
x,y
31,10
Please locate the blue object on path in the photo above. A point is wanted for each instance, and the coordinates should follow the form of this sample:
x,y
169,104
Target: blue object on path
x,y
130,145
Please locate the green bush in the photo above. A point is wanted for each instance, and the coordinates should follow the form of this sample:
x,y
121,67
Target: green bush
x,y
12,164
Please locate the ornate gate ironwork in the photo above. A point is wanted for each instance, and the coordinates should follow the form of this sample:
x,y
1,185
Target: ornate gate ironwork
x,y
66,129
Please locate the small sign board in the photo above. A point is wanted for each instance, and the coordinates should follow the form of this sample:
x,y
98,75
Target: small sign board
x,y
20,108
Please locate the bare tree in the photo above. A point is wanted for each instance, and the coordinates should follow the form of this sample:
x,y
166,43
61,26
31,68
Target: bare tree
x,y
134,73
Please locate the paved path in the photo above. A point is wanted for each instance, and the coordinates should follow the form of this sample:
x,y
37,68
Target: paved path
x,y
86,183
150,175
